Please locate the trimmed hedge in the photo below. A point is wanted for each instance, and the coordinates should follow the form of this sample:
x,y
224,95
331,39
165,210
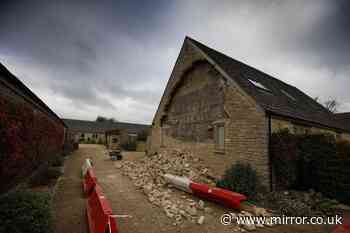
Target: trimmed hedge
x,y
25,212
311,161
28,138
57,161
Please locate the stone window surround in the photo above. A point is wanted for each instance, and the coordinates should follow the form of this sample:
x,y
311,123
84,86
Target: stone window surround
x,y
217,124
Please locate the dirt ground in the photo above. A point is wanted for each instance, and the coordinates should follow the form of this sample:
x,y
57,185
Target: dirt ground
x,y
125,198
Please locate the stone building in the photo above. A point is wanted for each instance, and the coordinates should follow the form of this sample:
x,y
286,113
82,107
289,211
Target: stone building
x,y
224,111
94,132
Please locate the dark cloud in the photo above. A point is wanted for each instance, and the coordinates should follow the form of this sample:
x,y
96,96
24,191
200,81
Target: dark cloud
x,y
86,58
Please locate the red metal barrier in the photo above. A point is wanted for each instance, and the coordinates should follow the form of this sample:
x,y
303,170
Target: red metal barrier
x,y
99,213
89,182
344,228
222,196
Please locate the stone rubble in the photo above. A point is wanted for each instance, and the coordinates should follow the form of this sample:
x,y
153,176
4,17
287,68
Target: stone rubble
x,y
201,220
147,174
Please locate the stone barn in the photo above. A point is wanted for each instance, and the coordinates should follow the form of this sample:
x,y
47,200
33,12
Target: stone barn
x,y
224,111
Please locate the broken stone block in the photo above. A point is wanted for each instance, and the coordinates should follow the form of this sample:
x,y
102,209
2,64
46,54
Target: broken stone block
x,y
245,213
249,227
208,210
191,210
168,214
201,220
261,212
201,204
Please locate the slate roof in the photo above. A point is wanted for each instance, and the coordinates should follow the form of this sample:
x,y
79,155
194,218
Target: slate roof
x,y
11,81
343,119
281,99
101,127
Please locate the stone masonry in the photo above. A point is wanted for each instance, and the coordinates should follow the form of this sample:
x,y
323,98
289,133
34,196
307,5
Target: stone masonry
x,y
196,97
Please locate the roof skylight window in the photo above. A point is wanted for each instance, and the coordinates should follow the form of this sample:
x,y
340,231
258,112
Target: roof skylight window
x,y
259,85
289,95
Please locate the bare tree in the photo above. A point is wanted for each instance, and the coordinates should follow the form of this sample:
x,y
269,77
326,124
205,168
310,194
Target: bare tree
x,y
105,119
332,105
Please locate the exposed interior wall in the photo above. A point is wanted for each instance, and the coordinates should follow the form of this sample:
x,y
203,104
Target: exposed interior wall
x,y
187,57
196,104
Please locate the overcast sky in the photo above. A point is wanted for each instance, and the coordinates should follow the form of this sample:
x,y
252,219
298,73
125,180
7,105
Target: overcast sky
x,y
113,58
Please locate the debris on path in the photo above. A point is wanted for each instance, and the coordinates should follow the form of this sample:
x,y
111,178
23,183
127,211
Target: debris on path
x,y
147,174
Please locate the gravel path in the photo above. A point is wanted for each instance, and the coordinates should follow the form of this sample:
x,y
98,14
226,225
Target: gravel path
x,y
124,198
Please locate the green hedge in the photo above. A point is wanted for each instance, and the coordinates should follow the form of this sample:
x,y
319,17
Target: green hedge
x,y
314,161
57,161
25,212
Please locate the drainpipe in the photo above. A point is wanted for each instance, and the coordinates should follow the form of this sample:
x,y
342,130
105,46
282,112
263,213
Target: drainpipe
x,y
269,151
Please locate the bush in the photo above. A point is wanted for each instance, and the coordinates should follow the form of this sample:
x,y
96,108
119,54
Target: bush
x,y
53,173
57,161
44,176
39,177
241,178
25,211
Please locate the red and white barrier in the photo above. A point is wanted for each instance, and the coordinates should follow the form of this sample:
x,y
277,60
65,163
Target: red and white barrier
x,y
99,212
182,183
89,182
86,165
343,228
222,196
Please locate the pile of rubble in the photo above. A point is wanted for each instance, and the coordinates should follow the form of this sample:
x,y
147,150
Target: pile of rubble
x,y
300,203
147,174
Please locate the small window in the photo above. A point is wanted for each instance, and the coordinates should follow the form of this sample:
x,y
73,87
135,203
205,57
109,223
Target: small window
x,y
259,85
220,137
288,95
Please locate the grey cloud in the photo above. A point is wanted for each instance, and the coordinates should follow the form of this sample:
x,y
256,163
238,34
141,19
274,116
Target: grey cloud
x,y
116,56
